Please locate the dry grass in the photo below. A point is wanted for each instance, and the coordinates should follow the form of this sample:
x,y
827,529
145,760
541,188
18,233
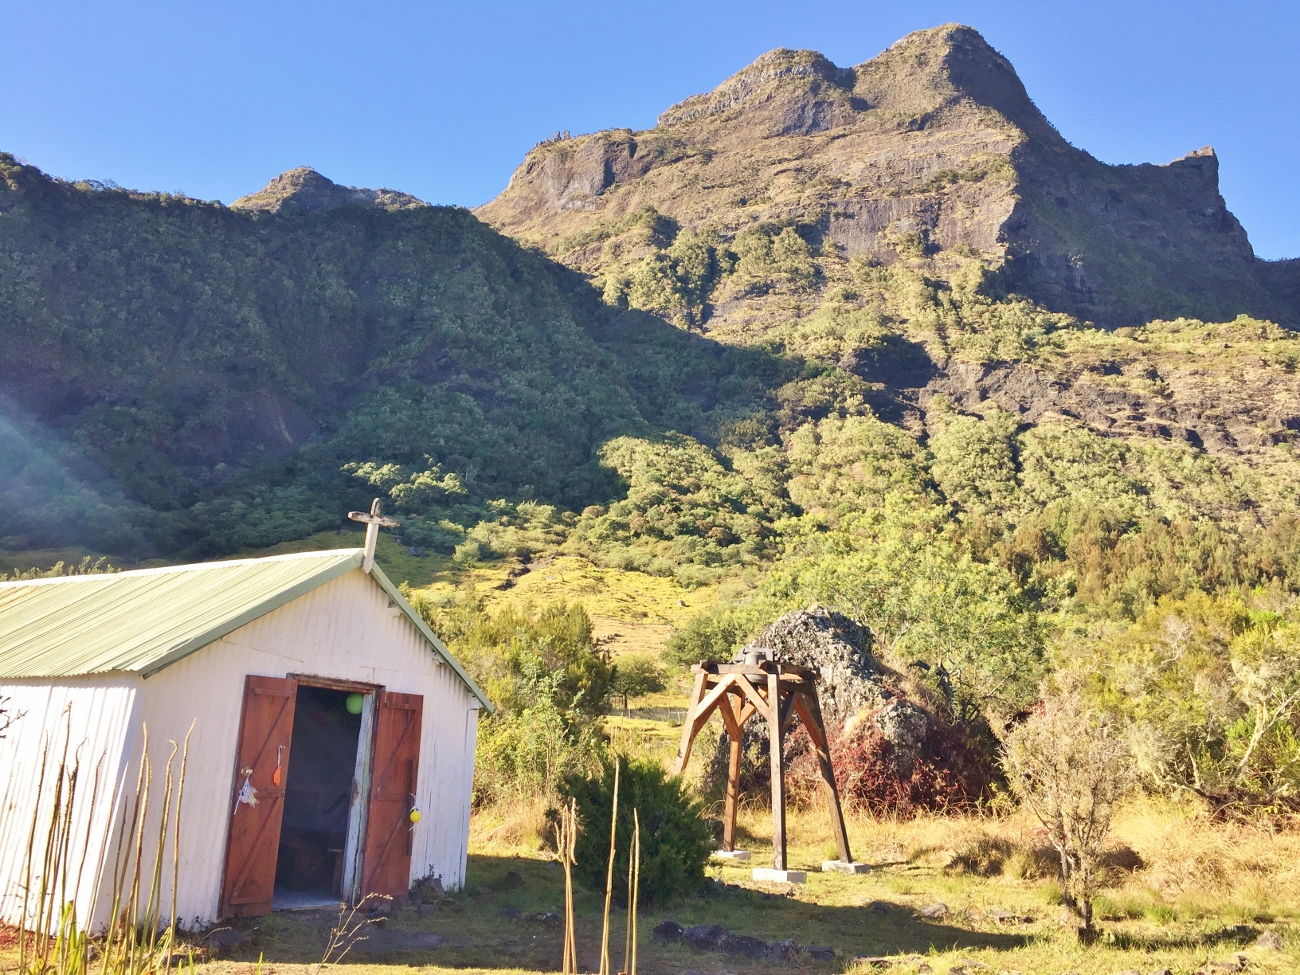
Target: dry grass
x,y
977,866
1181,890
621,600
1251,871
510,827
642,738
621,636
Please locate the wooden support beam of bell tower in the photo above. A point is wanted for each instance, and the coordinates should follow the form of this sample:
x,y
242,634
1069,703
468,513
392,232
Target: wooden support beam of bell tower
x,y
779,693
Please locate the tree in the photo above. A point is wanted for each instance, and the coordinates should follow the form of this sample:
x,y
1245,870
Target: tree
x,y
1211,687
635,675
1070,766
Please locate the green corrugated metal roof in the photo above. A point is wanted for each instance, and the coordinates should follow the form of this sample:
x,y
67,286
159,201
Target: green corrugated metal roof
x,y
140,622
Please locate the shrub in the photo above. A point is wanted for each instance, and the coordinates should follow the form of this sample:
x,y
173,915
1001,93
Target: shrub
x,y
527,752
675,841
1070,767
772,254
948,774
549,682
468,552
518,654
712,635
1212,688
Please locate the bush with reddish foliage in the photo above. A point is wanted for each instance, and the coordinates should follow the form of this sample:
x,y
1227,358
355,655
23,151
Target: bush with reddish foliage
x,y
948,773
929,765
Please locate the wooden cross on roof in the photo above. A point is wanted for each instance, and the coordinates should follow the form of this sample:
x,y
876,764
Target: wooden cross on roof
x,y
372,520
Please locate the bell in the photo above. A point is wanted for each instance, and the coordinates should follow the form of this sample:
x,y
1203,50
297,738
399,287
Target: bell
x,y
754,657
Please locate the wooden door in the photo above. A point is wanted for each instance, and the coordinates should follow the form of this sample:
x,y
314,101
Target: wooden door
x,y
253,842
386,865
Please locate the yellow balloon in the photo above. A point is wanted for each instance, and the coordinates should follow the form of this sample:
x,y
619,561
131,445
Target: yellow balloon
x,y
415,815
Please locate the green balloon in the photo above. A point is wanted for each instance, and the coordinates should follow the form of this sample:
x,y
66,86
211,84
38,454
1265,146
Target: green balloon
x,y
355,703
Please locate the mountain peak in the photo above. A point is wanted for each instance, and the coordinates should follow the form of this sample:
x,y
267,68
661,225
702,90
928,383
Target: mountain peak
x,y
928,151
305,189
803,91
760,80
930,69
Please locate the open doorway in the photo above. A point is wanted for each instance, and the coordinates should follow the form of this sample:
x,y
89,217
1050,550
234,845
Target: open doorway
x,y
324,807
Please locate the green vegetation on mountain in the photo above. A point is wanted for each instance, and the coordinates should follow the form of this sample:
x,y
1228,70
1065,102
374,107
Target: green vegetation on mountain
x,y
817,336
181,377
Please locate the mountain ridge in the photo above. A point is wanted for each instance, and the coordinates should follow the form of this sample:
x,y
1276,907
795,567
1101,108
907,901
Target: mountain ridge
x,y
181,376
942,140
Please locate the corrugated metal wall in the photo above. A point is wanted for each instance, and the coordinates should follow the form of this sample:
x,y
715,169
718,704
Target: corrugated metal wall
x,y
345,630
96,718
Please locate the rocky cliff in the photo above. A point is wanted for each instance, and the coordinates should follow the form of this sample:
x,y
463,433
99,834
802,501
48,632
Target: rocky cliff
x,y
929,153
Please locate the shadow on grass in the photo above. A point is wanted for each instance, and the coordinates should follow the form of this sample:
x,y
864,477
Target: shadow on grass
x,y
1239,936
509,916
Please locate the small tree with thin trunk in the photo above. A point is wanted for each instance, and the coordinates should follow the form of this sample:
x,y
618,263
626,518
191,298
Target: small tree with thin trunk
x,y
1070,766
636,675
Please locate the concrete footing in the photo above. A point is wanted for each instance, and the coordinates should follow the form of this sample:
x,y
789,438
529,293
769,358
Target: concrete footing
x,y
840,866
780,876
731,854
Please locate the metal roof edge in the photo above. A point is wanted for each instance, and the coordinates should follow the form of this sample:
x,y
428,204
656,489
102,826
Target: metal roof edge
x,y
165,569
439,647
287,595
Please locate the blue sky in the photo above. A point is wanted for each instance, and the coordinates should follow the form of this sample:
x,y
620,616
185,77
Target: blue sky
x,y
443,99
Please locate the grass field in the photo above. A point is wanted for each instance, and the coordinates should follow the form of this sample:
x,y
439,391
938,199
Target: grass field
x,y
1199,893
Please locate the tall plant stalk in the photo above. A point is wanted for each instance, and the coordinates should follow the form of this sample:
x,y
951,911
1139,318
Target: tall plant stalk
x,y
633,895
609,879
31,847
176,839
566,837
51,939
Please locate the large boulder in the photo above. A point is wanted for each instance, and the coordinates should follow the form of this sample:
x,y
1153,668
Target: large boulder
x,y
838,649
891,750
853,687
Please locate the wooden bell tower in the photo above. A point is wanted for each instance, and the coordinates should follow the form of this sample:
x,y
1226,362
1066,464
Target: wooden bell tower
x,y
778,693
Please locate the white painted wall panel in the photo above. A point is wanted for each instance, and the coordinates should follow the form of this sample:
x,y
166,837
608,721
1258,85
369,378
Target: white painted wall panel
x,y
96,717
345,630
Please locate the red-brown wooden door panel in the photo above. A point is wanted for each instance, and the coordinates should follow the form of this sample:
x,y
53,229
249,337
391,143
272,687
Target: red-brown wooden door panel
x,y
386,866
265,731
